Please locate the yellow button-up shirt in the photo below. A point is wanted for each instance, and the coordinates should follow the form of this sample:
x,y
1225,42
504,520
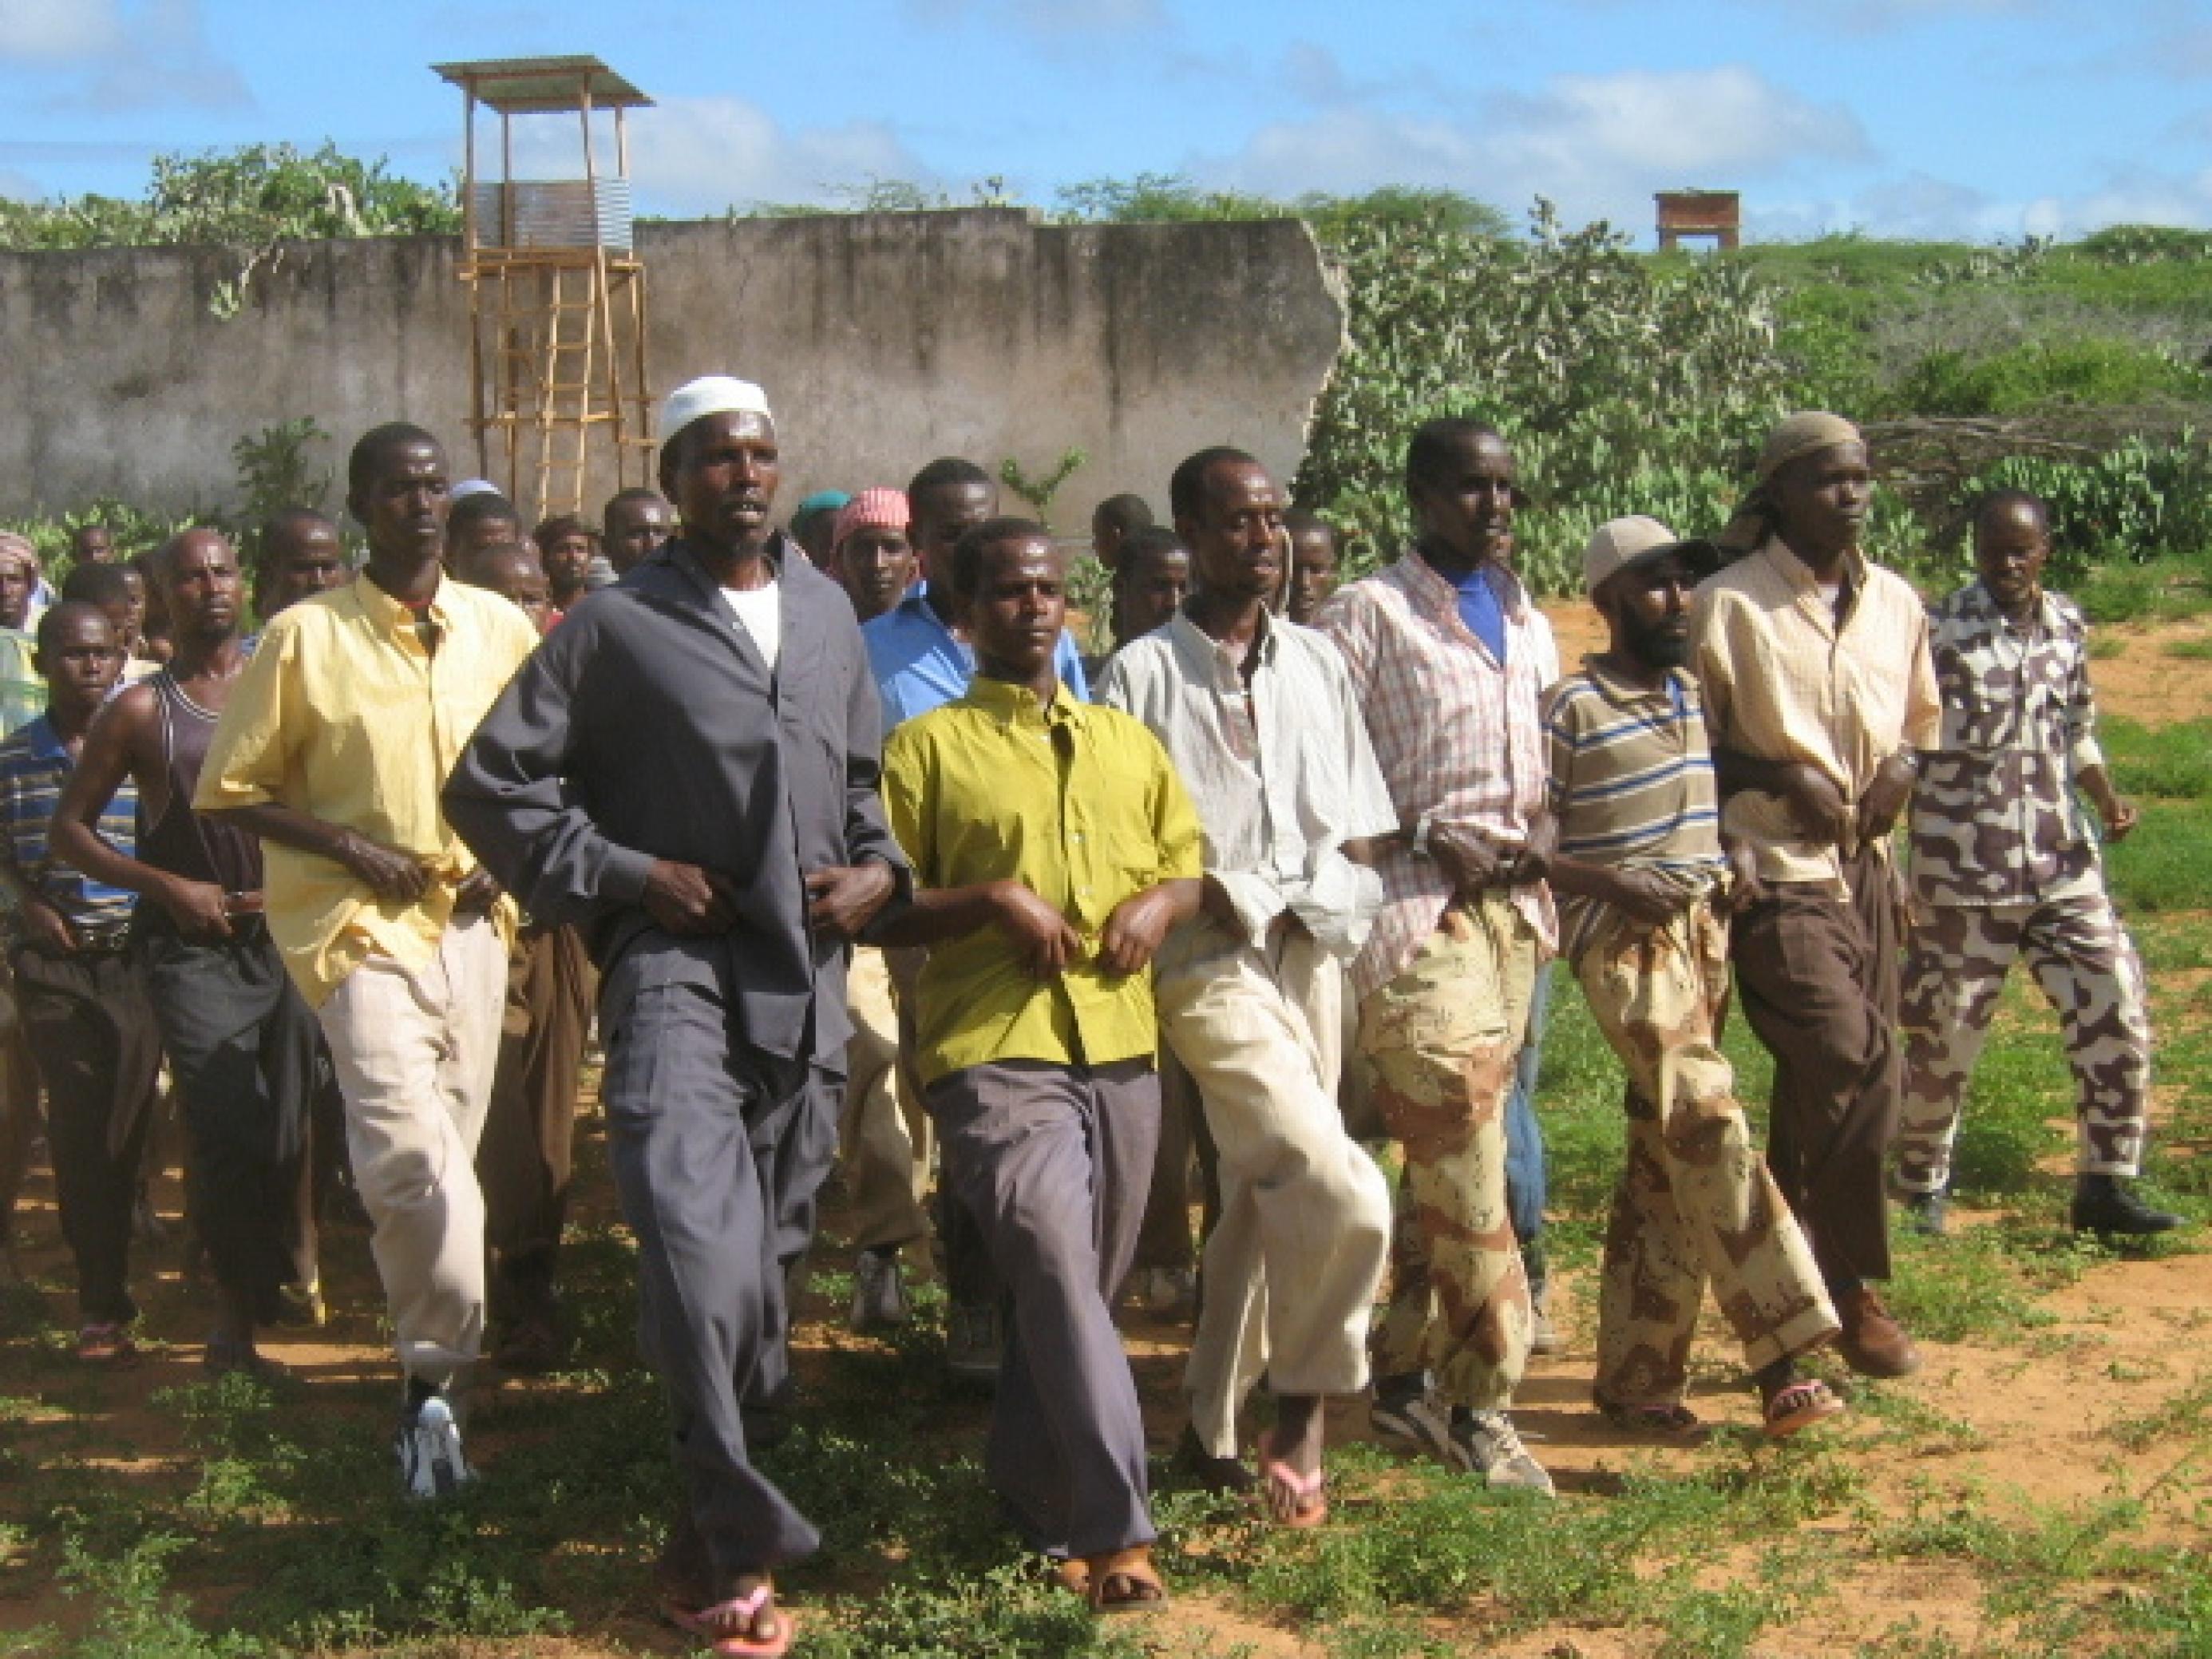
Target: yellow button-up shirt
x,y
1079,804
343,713
1783,681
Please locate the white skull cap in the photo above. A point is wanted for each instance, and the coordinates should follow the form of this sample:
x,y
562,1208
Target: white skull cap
x,y
711,394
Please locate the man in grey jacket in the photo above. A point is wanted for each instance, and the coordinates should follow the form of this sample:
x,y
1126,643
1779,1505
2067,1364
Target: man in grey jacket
x,y
688,769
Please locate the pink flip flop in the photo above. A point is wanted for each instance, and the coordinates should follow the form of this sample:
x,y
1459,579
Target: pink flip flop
x,y
706,1624
1290,1498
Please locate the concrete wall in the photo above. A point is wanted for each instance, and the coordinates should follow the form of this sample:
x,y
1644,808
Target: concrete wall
x,y
883,340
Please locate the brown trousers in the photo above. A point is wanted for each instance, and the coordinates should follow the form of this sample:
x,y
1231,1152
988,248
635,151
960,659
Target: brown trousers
x,y
1818,978
523,1159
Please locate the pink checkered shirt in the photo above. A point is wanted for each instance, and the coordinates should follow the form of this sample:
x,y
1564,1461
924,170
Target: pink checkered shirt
x,y
1458,737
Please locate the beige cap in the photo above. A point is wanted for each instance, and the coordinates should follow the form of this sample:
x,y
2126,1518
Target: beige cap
x,y
1619,543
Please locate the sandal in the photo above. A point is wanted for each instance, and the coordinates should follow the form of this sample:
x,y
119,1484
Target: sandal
x,y
107,1344
1071,1573
1123,1581
711,1623
1800,1406
1290,1499
1676,1419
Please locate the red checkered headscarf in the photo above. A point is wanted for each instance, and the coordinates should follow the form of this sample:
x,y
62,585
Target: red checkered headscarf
x,y
872,509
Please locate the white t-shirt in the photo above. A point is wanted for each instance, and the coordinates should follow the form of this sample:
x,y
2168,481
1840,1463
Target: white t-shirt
x,y
757,611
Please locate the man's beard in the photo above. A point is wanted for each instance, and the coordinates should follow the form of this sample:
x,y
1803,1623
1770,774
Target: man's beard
x,y
1652,644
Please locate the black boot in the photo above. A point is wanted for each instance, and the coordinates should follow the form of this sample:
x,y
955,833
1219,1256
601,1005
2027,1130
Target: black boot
x,y
2102,1206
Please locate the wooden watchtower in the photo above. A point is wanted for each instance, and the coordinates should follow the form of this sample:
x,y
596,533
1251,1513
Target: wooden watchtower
x,y
556,291
1701,213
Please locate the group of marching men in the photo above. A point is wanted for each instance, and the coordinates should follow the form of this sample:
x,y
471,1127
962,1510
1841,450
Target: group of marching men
x,y
1313,848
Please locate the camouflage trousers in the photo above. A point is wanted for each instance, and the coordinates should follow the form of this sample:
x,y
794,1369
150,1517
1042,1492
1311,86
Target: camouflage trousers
x,y
2084,959
1437,1045
1695,1204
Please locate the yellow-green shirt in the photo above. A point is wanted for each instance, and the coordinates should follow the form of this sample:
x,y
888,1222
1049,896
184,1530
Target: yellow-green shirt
x,y
343,711
1082,806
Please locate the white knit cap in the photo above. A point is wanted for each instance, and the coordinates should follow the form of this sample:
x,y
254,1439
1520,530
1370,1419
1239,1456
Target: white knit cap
x,y
711,394
468,487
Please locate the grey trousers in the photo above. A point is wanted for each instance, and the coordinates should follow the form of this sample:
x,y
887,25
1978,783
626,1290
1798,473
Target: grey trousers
x,y
719,1152
1053,1163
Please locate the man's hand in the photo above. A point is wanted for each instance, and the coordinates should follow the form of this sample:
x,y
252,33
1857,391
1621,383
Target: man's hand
x,y
1744,887
1822,814
478,891
1136,930
689,902
2119,817
47,927
1214,901
1045,940
395,877
1885,797
197,909
1469,862
1536,853
845,898
1646,895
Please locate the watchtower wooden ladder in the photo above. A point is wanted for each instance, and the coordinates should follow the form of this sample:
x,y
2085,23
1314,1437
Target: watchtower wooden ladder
x,y
556,293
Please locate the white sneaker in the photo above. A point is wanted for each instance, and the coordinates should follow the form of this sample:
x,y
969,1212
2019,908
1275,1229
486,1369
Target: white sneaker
x,y
428,1446
1543,1336
1491,1447
1168,1292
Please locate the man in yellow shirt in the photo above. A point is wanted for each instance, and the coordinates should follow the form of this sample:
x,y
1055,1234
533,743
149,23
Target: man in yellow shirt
x,y
1053,848
332,749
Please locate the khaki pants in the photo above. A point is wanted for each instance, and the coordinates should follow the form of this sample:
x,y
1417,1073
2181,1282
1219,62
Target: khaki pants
x,y
1438,1044
1695,1204
1292,1265
414,1054
882,1133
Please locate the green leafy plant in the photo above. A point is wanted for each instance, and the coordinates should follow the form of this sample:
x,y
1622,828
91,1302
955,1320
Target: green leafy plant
x,y
275,469
1039,491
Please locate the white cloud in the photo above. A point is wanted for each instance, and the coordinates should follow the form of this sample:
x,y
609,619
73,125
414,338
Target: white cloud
x,y
52,30
19,186
1919,205
703,155
1599,145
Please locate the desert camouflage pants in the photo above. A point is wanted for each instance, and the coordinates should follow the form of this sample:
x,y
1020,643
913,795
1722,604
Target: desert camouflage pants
x,y
2084,959
1695,1204
1438,1044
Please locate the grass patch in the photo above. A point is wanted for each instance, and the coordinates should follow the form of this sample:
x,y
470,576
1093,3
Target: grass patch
x,y
2157,590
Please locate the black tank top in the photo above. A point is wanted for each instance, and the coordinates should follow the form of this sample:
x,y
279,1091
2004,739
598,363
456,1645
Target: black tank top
x,y
182,842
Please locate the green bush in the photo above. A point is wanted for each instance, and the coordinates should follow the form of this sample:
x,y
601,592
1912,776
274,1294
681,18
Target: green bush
x,y
2082,371
2137,502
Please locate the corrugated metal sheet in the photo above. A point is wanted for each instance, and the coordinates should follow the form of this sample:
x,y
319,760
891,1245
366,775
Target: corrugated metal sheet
x,y
554,213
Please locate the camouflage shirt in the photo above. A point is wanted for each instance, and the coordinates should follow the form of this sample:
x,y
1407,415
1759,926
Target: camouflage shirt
x,y
1994,817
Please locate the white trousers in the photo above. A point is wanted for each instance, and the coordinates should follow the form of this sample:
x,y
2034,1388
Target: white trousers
x,y
1305,1215
415,1053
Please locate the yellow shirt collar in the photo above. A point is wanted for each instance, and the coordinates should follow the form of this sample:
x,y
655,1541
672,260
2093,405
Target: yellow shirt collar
x,y
1017,705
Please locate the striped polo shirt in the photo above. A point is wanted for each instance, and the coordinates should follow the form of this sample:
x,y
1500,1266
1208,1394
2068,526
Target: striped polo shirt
x,y
34,766
1632,784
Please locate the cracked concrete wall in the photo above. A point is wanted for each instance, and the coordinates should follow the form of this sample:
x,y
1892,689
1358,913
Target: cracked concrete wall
x,y
883,340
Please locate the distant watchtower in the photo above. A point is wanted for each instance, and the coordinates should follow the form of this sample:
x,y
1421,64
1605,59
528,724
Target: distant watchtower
x,y
1715,213
556,291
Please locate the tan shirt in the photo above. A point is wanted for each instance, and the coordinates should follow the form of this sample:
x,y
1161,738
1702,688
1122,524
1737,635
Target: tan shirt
x,y
1783,681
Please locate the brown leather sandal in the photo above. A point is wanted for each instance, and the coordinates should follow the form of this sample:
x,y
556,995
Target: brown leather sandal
x,y
1124,1581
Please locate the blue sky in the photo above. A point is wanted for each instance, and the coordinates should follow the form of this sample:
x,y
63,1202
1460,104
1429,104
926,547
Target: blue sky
x,y
1979,118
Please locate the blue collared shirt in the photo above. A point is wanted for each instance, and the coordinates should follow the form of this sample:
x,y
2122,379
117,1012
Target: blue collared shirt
x,y
35,764
918,666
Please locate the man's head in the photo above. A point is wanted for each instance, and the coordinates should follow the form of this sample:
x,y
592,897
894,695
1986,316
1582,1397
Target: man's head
x,y
720,463
77,657
1113,521
814,525
2011,542
946,499
1815,482
1638,577
1229,514
92,544
870,553
482,519
1151,583
108,587
1012,583
1315,562
636,522
564,545
396,489
19,579
513,571
1464,484
301,557
197,574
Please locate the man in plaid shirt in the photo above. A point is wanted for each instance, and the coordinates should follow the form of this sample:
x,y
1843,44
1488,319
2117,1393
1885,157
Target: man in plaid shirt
x,y
1448,658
